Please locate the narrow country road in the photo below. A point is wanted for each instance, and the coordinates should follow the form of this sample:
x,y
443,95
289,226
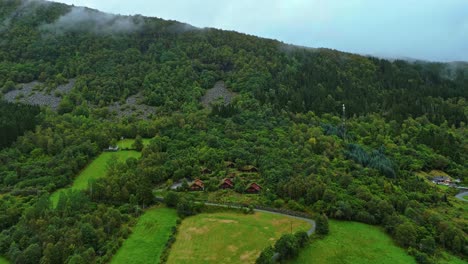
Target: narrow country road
x,y
460,196
310,221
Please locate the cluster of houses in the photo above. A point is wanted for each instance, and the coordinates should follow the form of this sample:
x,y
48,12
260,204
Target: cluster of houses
x,y
445,180
226,183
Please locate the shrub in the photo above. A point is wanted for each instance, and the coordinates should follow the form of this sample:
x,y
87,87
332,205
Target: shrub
x,y
171,199
302,238
287,246
322,225
266,256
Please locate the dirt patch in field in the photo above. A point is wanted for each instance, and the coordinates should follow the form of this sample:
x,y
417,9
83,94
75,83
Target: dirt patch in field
x,y
280,222
248,255
224,221
198,230
232,248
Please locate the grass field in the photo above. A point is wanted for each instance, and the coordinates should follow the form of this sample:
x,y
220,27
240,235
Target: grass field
x,y
450,259
465,197
229,237
94,170
127,143
350,243
148,238
4,261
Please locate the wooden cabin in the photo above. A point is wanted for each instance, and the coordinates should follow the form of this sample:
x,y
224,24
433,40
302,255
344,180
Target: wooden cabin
x,y
249,168
226,184
229,164
205,171
253,188
197,185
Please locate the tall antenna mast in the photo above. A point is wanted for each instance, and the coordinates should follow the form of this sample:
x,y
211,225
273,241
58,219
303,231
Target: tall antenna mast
x,y
344,122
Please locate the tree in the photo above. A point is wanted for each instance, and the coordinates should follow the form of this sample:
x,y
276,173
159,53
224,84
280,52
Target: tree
x,y
8,86
187,207
32,254
171,199
89,236
138,143
406,234
287,247
266,256
302,238
77,259
322,224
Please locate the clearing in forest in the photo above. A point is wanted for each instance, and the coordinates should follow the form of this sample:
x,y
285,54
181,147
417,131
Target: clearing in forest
x,y
127,143
351,242
229,237
219,91
148,238
96,169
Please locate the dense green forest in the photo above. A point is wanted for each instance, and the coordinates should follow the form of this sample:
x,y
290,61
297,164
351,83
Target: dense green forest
x,y
403,119
15,120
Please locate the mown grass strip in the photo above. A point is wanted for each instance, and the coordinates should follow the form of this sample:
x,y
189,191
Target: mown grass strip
x,y
354,243
149,237
95,170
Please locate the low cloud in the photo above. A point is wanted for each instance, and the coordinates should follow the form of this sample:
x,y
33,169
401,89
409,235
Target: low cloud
x,y
85,19
27,8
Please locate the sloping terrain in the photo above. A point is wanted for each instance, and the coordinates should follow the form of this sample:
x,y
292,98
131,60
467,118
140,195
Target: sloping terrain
x,y
218,92
229,237
354,243
29,94
148,237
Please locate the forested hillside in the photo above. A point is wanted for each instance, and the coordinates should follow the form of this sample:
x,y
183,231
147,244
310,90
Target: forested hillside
x,y
171,64
404,120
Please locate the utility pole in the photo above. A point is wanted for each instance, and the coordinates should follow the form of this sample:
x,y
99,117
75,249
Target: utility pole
x,y
344,122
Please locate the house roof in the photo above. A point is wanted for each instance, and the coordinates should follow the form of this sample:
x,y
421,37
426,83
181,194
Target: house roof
x,y
198,183
228,182
255,186
205,170
441,178
248,168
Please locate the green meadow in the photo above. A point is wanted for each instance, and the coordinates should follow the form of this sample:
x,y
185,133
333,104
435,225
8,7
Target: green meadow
x,y
148,238
127,143
4,261
229,237
354,243
96,169
450,259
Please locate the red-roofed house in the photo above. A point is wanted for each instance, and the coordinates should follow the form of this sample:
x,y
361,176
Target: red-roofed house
x,y
253,188
197,185
226,184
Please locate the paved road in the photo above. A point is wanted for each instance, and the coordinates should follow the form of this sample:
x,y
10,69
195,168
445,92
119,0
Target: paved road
x,y
460,196
310,221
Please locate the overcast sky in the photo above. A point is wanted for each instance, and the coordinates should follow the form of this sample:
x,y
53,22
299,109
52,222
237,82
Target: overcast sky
x,y
434,30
